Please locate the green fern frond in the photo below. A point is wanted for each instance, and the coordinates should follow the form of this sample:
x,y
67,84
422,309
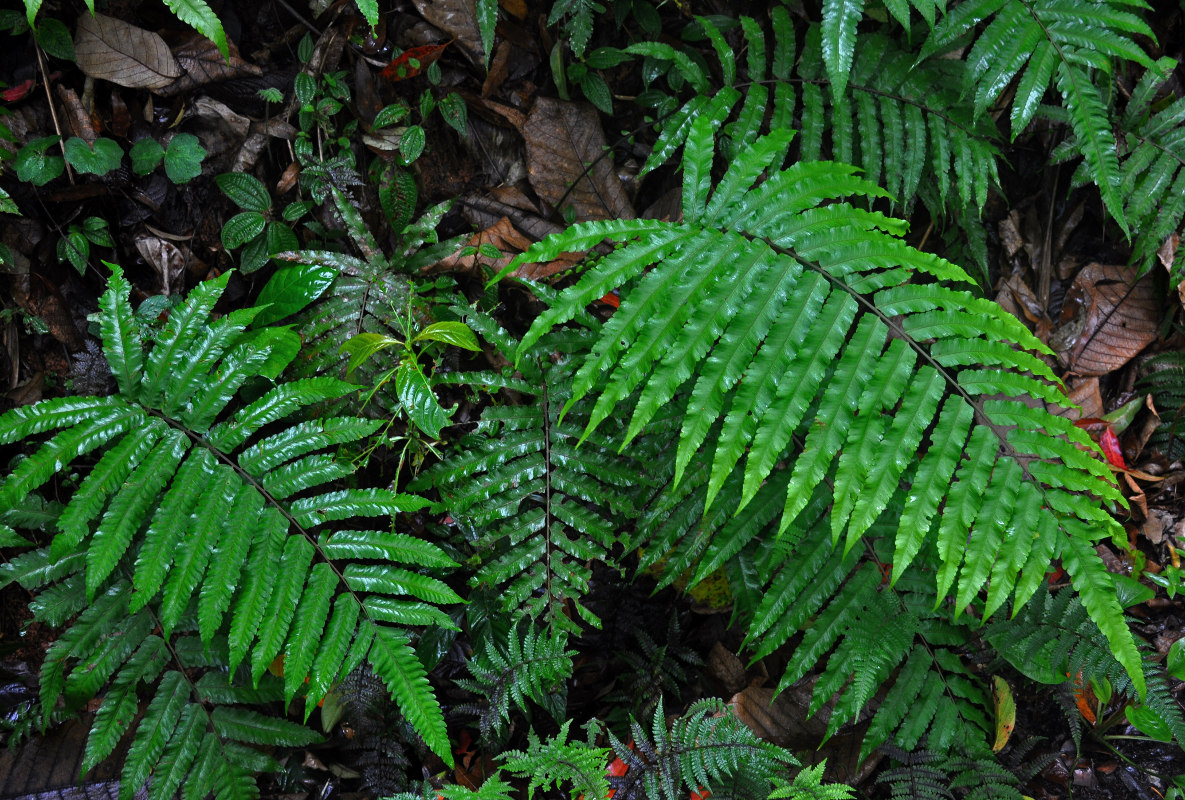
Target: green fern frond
x,y
525,669
808,785
557,761
1153,153
201,515
841,376
539,507
885,112
705,748
199,15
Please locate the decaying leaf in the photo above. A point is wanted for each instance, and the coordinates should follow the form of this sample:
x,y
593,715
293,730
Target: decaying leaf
x,y
1108,318
1005,712
166,258
113,50
568,164
502,236
457,18
203,63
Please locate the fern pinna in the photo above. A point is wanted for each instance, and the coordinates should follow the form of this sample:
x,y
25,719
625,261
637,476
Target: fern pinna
x,y
841,396
206,540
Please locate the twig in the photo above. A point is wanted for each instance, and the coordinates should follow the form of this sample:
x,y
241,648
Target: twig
x,y
53,111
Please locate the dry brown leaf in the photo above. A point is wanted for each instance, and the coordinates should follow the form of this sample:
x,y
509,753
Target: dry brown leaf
x,y
1110,320
725,667
166,258
1084,392
113,50
501,235
121,118
39,297
568,164
457,18
76,116
203,63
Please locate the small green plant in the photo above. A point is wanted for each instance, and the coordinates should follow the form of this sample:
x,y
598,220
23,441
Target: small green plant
x,y
75,246
252,229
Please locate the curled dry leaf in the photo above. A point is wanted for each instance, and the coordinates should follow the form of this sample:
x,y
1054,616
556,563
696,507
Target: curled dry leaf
x,y
166,258
568,164
113,50
501,235
1108,318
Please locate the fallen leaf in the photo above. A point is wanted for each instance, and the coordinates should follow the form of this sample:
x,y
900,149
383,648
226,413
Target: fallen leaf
x,y
1084,393
568,164
110,49
501,235
457,18
203,64
412,62
1108,318
1005,712
166,258
19,92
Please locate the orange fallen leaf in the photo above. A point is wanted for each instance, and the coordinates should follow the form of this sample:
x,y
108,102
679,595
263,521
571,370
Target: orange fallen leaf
x,y
414,61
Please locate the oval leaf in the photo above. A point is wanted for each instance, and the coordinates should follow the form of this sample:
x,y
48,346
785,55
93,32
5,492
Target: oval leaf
x,y
246,191
419,401
292,289
113,50
454,333
242,228
99,160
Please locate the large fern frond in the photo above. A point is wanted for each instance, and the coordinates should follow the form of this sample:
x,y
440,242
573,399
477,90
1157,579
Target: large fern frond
x,y
839,352
199,514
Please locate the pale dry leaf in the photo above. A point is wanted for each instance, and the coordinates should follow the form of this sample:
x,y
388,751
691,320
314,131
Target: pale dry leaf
x,y
568,163
1110,317
1084,393
501,235
166,258
76,116
110,49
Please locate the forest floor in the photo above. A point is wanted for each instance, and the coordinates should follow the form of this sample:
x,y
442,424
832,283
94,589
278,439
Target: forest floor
x,y
1049,265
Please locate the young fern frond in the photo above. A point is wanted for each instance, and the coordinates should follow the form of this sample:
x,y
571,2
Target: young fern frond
x,y
839,352
199,515
931,775
705,748
525,670
540,508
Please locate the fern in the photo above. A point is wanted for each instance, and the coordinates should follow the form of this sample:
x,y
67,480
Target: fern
x,y
202,18
897,120
705,748
539,507
1164,377
529,668
929,775
1154,153
1050,44
557,761
205,537
767,315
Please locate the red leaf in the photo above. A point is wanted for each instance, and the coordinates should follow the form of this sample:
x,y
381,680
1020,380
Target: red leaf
x,y
612,299
1111,449
1100,431
18,92
413,61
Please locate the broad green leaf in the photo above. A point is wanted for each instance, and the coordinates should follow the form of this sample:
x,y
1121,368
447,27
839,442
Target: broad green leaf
x,y
454,333
247,191
242,228
99,159
419,401
146,154
363,345
291,290
183,157
34,166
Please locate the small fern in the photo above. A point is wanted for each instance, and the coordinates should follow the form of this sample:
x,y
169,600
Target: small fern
x,y
539,508
527,669
703,749
206,537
